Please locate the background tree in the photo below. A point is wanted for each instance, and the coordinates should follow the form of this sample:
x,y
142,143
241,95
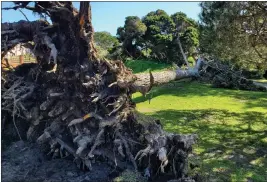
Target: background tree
x,y
186,35
163,33
158,36
131,35
235,32
105,42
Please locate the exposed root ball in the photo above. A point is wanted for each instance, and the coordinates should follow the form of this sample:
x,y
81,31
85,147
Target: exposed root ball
x,y
99,121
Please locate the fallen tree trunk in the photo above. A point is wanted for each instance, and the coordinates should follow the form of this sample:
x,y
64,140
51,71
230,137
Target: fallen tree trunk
x,y
145,81
75,104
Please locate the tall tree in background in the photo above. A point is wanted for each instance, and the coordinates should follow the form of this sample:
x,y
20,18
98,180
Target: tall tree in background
x,y
131,35
158,36
105,42
186,32
236,32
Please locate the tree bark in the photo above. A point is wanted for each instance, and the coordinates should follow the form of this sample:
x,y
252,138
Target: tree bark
x,y
182,51
145,81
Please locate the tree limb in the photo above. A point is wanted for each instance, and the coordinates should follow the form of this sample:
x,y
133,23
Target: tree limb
x,y
182,51
23,14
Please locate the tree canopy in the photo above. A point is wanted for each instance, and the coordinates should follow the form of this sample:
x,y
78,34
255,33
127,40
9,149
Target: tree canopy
x,y
131,35
236,32
155,36
105,42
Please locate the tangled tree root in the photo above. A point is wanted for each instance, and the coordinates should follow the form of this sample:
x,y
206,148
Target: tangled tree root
x,y
88,117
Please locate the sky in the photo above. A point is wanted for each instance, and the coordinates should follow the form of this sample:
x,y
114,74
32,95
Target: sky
x,y
108,16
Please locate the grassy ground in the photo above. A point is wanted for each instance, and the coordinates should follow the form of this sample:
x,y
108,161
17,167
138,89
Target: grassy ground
x,y
231,124
139,66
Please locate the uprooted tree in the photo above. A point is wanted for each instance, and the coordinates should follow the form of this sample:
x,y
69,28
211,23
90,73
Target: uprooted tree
x,y
75,104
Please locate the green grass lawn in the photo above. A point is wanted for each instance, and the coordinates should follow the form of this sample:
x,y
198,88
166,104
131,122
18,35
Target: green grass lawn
x,y
139,66
231,125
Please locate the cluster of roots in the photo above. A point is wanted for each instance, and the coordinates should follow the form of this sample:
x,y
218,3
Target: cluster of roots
x,y
85,113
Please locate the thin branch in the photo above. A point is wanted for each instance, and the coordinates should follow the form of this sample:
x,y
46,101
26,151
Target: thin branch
x,y
24,14
19,6
259,54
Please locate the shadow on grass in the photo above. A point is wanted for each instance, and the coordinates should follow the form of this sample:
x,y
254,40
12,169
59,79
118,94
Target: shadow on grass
x,y
195,89
232,146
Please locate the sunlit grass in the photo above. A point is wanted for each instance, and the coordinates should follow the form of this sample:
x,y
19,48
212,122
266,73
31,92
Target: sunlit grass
x,y
139,66
231,124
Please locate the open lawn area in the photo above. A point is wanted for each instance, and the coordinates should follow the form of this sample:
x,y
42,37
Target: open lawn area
x,y
231,125
141,66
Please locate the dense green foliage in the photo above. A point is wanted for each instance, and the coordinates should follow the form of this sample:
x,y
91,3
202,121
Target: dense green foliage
x,y
130,35
158,37
155,36
235,32
188,31
105,42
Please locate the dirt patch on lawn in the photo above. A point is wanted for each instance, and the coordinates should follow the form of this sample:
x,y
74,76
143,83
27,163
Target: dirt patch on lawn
x,y
23,162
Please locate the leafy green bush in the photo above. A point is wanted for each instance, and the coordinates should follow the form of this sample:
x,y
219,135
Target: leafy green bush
x,y
102,53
